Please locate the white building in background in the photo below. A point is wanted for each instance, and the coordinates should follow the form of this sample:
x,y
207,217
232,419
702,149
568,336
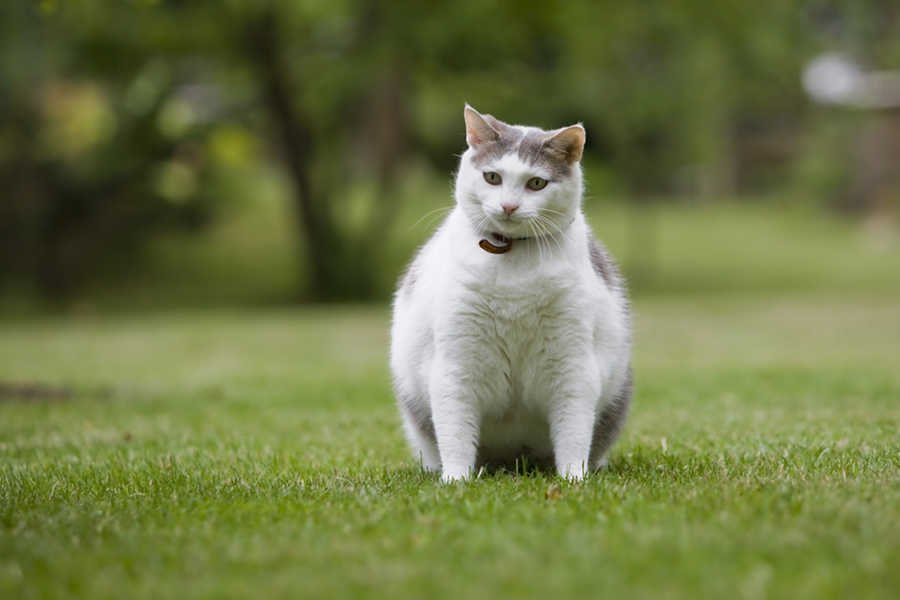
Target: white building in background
x,y
836,80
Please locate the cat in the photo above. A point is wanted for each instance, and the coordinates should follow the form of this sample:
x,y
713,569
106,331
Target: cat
x,y
511,328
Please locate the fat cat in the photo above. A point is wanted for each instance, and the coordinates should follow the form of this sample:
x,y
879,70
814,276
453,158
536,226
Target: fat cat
x,y
510,332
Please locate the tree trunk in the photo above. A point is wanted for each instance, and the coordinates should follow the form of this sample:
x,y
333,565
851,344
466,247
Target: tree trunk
x,y
313,221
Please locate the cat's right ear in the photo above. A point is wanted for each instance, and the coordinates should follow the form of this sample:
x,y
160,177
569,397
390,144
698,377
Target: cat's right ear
x,y
478,131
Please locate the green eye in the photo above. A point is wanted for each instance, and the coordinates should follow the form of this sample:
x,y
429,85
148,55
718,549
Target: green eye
x,y
493,178
536,183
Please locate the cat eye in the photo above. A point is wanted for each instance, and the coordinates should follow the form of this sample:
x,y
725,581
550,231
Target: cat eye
x,y
536,183
493,178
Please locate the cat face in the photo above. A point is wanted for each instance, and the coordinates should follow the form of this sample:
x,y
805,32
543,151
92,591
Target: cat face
x,y
519,181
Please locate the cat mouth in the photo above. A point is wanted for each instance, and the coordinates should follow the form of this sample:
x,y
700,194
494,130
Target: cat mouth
x,y
510,226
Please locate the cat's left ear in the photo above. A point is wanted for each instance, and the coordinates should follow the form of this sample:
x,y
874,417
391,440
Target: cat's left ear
x,y
567,143
478,130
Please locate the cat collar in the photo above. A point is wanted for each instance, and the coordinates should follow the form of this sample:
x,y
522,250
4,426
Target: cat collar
x,y
492,248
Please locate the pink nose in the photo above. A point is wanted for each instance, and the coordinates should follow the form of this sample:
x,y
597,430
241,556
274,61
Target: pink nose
x,y
509,207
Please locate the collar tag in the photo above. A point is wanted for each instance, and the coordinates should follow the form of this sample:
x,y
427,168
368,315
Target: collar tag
x,y
492,248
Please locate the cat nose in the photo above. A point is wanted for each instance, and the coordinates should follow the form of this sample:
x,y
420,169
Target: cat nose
x,y
509,207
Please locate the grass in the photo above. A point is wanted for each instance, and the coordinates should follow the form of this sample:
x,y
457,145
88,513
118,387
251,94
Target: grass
x,y
257,453
235,454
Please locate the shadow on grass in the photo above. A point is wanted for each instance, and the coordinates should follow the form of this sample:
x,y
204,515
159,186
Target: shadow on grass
x,y
635,465
753,464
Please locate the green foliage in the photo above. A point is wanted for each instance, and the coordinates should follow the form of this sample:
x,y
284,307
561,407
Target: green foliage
x,y
761,459
129,118
100,148
718,247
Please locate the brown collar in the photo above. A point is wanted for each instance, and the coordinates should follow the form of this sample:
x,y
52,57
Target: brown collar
x,y
492,248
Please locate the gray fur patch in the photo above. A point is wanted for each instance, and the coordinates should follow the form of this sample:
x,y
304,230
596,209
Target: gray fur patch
x,y
420,415
611,420
490,152
603,264
533,150
530,146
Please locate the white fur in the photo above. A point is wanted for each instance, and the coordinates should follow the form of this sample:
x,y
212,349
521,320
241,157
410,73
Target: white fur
x,y
522,349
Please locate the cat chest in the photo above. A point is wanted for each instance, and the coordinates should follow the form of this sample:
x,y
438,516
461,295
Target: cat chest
x,y
523,344
520,336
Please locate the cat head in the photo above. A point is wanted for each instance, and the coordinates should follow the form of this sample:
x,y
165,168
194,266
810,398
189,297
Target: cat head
x,y
519,181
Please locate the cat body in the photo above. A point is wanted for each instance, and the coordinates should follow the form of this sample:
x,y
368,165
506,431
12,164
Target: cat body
x,y
523,351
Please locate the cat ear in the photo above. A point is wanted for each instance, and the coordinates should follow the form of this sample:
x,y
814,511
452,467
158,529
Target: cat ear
x,y
478,130
567,143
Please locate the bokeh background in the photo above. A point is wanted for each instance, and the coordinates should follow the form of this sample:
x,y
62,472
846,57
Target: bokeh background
x,y
158,154
204,208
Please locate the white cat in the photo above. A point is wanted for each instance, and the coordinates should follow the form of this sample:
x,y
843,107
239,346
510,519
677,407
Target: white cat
x,y
511,332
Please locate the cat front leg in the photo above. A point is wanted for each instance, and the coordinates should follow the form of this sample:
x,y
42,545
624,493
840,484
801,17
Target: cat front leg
x,y
456,426
571,432
420,434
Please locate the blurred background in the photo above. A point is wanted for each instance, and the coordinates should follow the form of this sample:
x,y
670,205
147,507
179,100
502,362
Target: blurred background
x,y
158,154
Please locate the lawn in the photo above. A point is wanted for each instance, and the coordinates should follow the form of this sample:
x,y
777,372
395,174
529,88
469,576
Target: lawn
x,y
258,454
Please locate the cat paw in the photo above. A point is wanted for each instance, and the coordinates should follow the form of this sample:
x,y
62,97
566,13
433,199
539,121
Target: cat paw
x,y
450,476
573,472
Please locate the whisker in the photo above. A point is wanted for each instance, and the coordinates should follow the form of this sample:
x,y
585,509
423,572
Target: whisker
x,y
542,241
551,211
556,226
431,213
537,238
548,234
549,223
531,229
435,219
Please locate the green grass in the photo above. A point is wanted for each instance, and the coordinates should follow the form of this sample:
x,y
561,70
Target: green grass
x,y
258,454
